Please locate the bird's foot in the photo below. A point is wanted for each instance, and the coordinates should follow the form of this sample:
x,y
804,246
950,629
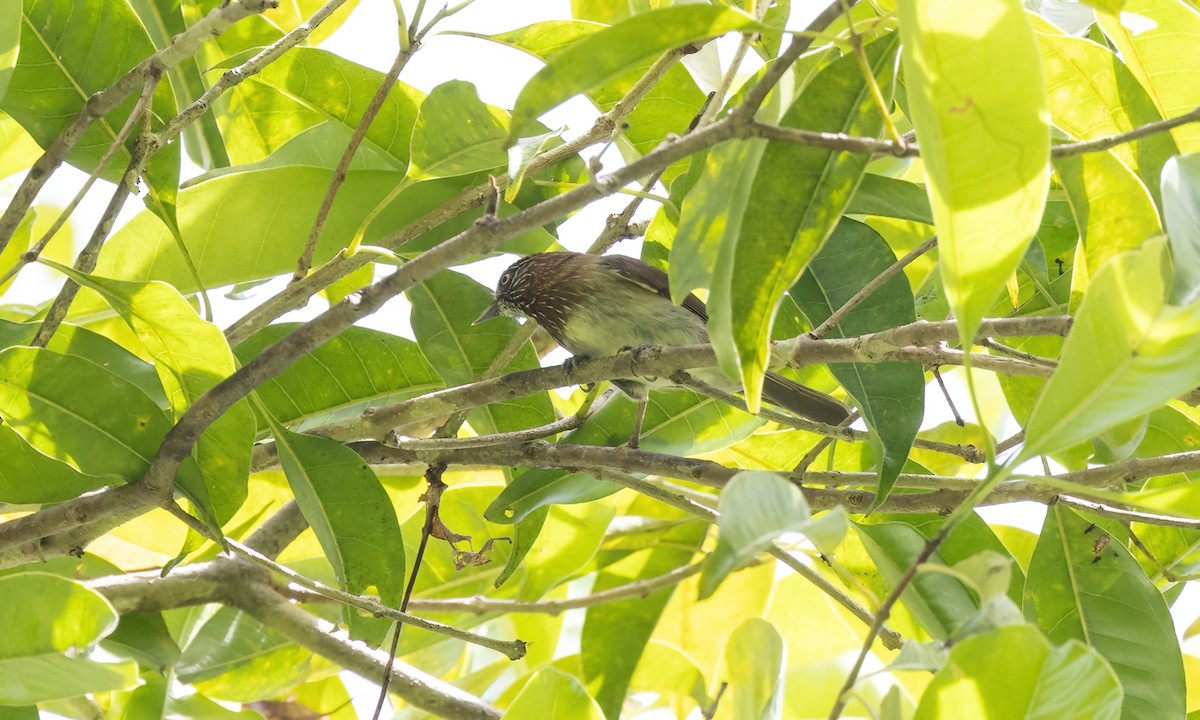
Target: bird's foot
x,y
640,354
568,367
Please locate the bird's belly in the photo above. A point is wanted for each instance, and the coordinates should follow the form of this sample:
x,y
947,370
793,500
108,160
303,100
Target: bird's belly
x,y
629,320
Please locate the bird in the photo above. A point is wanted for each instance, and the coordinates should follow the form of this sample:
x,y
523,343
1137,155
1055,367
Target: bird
x,y
597,305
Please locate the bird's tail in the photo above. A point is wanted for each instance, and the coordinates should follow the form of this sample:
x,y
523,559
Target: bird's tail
x,y
804,401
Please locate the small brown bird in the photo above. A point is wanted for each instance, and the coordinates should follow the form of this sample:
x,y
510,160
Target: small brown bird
x,y
596,305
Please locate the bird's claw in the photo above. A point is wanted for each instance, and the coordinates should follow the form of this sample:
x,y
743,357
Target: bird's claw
x,y
569,365
642,353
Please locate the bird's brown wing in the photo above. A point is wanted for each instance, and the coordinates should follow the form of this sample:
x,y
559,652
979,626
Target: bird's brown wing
x,y
652,279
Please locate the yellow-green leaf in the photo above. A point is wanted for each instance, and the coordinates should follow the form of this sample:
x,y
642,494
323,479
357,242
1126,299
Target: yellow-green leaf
x,y
1128,352
1113,209
1158,40
985,140
191,356
1092,94
604,55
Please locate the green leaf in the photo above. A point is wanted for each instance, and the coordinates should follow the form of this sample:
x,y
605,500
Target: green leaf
x,y
71,49
321,145
81,413
1128,352
615,634
306,87
755,508
358,368
1181,211
985,141
348,510
573,535
230,655
525,534
143,637
444,308
553,695
667,670
17,149
1084,585
940,603
74,340
775,18
18,244
712,212
1092,94
778,236
48,623
669,107
891,396
677,422
1112,207
191,357
343,288
604,55
755,659
889,197
10,41
1158,52
608,12
249,226
1069,682
456,134
28,476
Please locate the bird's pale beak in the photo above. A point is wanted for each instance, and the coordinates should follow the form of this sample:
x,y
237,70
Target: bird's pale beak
x,y
492,311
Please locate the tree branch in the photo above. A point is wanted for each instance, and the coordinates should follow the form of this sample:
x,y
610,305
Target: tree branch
x,y
298,293
902,343
419,689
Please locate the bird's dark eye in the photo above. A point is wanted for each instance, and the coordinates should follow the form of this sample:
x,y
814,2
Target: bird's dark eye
x,y
506,278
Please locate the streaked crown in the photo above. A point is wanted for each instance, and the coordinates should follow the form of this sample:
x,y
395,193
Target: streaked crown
x,y
544,287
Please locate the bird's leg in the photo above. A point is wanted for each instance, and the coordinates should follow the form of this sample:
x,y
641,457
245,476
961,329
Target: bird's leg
x,y
568,367
635,437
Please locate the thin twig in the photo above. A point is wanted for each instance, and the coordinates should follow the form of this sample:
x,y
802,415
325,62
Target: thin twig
x,y
423,691
775,71
304,264
1137,133
710,712
1013,352
297,294
433,499
716,99
235,76
118,142
481,605
833,432
100,104
86,261
893,639
869,289
958,420
513,650
508,438
1010,442
881,616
